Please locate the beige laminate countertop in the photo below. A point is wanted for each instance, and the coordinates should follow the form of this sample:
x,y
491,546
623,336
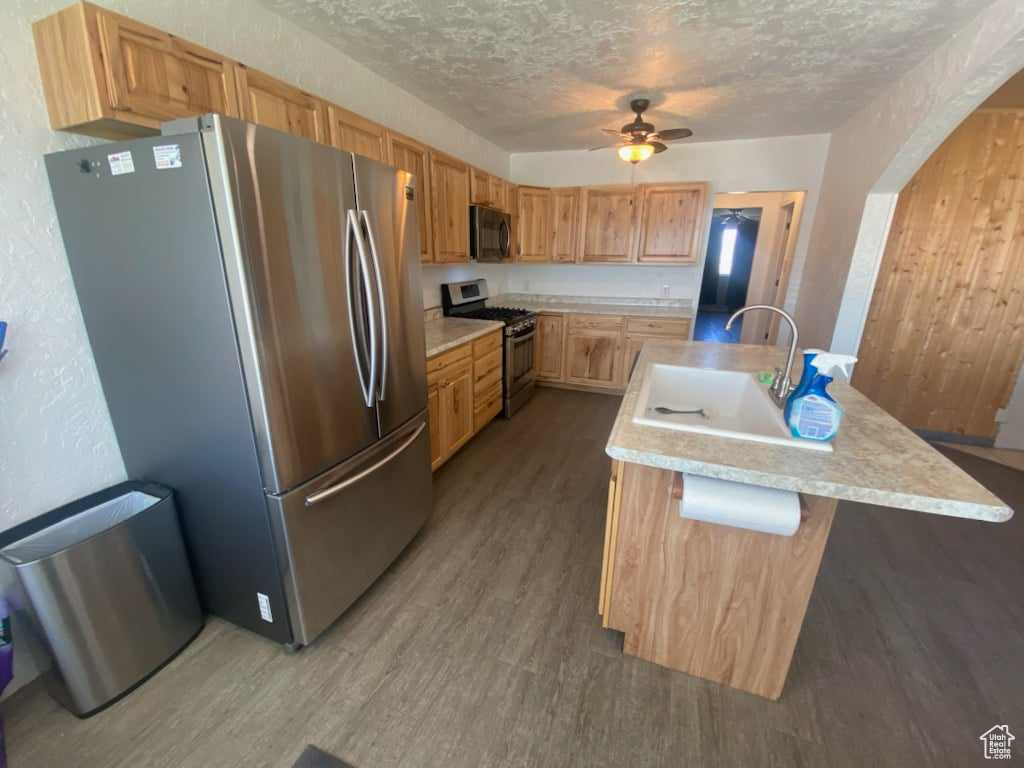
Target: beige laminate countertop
x,y
666,309
876,460
447,333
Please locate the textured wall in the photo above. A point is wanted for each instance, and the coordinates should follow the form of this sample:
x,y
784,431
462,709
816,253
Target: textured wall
x,y
57,441
879,149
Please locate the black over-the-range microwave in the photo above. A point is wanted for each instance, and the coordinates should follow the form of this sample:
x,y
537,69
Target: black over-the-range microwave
x,y
490,234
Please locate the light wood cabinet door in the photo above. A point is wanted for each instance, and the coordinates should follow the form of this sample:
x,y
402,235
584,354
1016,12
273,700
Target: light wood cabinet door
x,y
609,219
411,156
268,101
480,187
457,406
434,425
550,346
594,358
449,182
564,223
356,134
499,193
534,224
157,76
671,223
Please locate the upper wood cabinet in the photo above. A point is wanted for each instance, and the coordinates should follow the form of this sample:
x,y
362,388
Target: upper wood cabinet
x,y
480,187
449,183
671,219
500,193
534,225
107,75
275,104
356,134
609,224
565,210
409,155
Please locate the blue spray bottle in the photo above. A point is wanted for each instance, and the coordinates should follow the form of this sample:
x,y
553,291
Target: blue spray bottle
x,y
814,414
806,377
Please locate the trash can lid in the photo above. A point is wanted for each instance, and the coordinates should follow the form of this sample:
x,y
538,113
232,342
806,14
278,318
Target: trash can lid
x,y
77,527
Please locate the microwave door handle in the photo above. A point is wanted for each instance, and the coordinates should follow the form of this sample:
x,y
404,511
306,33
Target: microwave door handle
x,y
504,239
381,304
364,268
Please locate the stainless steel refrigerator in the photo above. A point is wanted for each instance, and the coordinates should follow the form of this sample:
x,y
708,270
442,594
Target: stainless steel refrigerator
x,y
253,304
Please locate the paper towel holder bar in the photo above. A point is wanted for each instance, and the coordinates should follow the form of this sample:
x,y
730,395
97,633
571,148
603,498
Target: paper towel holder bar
x,y
677,494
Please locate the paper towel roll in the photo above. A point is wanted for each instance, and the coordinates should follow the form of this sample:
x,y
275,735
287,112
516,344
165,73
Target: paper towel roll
x,y
740,505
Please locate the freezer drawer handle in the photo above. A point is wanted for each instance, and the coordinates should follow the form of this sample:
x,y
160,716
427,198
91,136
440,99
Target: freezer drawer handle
x,y
326,493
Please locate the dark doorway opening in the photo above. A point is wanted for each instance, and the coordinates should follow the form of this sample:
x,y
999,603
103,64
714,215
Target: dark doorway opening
x,y
726,278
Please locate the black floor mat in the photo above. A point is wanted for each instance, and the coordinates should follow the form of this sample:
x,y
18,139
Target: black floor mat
x,y
312,757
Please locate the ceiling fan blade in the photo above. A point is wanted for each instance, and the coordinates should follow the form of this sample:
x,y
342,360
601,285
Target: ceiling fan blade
x,y
612,131
658,146
674,134
603,146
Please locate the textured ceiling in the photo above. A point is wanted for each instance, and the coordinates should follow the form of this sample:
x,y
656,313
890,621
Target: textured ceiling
x,y
536,75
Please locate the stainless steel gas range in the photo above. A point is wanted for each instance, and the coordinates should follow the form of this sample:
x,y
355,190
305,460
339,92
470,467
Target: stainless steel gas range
x,y
469,299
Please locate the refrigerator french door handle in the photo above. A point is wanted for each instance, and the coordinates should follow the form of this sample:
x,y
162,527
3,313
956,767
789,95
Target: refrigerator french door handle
x,y
356,342
354,228
382,303
326,493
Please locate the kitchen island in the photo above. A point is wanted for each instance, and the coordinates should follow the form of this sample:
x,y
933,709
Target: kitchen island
x,y
727,603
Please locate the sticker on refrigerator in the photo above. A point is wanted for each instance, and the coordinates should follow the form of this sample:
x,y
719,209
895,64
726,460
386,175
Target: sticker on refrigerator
x,y
121,162
265,613
167,156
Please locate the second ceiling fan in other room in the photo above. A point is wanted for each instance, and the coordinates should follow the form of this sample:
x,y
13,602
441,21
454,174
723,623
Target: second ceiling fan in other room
x,y
641,139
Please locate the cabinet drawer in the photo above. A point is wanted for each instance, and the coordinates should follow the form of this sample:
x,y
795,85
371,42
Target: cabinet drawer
x,y
487,343
447,358
488,406
487,381
648,325
487,364
595,323
455,369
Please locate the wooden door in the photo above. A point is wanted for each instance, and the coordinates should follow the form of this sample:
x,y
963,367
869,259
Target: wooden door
x,y
270,102
609,224
550,346
671,223
534,224
411,156
152,74
434,424
457,406
593,351
356,134
943,341
480,188
449,180
564,223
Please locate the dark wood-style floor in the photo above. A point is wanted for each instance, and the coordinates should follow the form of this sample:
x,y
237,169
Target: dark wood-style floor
x,y
481,647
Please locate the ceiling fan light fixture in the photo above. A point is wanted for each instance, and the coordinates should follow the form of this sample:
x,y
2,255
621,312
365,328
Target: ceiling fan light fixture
x,y
634,153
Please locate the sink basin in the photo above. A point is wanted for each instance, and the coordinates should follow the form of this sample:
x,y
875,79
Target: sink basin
x,y
734,403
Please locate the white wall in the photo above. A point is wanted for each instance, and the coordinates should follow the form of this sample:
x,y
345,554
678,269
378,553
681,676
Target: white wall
x,y
877,151
774,164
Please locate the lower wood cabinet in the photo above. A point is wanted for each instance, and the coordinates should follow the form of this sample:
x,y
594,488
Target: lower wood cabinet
x,y
597,351
463,394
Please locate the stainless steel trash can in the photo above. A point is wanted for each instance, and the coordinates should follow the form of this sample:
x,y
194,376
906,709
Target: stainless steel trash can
x,y
109,591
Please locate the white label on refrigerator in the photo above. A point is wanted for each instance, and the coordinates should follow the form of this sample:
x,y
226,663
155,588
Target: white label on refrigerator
x,y
265,613
121,162
167,156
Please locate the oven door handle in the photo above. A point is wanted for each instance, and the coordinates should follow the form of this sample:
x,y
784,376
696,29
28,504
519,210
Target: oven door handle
x,y
524,337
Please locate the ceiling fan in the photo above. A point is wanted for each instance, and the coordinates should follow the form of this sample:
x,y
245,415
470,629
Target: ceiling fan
x,y
734,216
639,138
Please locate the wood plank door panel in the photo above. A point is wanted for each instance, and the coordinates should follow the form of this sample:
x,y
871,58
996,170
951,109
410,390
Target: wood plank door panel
x,y
209,79
671,223
434,424
354,133
565,214
550,346
534,224
275,104
609,224
480,188
457,406
944,337
449,179
409,155
594,358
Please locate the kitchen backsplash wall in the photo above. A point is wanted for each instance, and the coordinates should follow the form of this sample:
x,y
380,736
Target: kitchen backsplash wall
x,y
568,280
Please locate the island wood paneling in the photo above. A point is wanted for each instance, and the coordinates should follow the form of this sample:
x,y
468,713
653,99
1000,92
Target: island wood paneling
x,y
714,601
945,332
